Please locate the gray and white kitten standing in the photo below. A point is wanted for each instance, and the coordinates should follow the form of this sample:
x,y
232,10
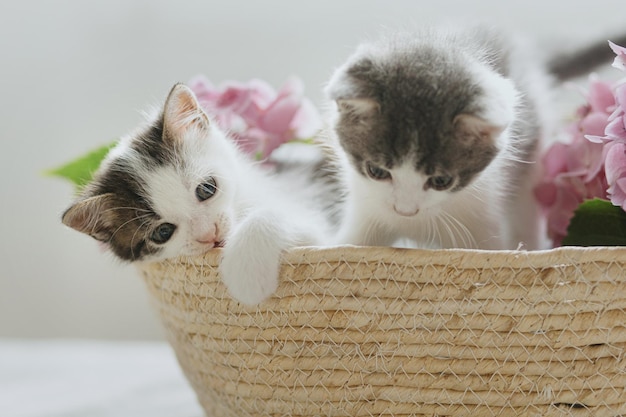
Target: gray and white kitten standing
x,y
180,186
437,134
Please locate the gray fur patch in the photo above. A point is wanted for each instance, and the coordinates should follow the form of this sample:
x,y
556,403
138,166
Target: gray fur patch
x,y
421,85
127,219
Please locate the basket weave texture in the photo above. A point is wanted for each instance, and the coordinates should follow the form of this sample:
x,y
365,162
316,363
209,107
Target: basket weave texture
x,y
404,332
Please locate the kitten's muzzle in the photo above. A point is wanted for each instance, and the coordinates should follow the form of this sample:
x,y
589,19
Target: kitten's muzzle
x,y
211,237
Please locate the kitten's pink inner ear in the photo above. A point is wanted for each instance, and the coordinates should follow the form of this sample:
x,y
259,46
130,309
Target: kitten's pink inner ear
x,y
182,111
472,127
89,216
358,106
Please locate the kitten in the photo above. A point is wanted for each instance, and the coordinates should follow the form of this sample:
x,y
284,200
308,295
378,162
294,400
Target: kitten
x,y
437,135
180,186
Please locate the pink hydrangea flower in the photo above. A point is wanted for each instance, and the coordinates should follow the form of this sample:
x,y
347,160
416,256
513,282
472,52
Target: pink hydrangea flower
x,y
573,173
599,109
593,163
259,118
614,137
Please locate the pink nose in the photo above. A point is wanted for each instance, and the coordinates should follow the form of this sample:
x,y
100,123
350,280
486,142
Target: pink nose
x,y
406,212
210,236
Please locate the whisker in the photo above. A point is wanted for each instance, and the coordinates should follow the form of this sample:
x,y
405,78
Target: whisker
x,y
199,177
468,239
461,231
444,222
129,221
479,191
371,228
439,239
132,239
442,219
430,236
514,158
127,208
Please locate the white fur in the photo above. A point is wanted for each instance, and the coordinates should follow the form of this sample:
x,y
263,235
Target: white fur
x,y
470,218
204,155
500,97
258,215
271,215
257,220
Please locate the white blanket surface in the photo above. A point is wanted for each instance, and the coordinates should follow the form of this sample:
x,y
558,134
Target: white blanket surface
x,y
75,378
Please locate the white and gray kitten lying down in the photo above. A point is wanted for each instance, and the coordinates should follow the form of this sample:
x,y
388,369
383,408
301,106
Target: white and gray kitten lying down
x,y
179,186
434,138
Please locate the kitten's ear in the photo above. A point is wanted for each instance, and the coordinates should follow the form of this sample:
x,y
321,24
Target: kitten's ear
x,y
361,68
358,107
90,216
182,111
471,128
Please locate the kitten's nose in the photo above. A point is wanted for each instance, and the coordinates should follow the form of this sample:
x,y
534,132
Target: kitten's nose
x,y
210,236
402,211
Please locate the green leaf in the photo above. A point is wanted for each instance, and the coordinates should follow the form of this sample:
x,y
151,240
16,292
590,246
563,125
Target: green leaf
x,y
80,170
597,223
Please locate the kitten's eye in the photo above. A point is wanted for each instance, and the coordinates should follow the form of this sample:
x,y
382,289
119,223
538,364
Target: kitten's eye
x,y
377,173
206,190
440,182
162,233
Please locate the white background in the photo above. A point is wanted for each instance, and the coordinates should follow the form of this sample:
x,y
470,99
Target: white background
x,y
76,74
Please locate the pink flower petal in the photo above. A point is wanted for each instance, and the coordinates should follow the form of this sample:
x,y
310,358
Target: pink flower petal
x,y
600,96
620,95
594,123
262,93
554,160
615,167
204,90
596,139
618,193
583,158
234,96
278,117
615,162
620,59
562,212
594,160
545,193
616,130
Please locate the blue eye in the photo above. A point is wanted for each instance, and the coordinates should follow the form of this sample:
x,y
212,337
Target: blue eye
x,y
206,190
440,182
162,233
377,172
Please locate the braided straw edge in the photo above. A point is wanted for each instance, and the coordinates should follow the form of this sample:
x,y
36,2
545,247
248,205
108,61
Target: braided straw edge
x,y
204,322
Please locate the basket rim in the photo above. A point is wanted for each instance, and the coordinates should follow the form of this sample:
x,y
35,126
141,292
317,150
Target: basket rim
x,y
464,258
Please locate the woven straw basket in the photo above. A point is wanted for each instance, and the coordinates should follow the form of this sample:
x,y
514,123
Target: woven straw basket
x,y
404,332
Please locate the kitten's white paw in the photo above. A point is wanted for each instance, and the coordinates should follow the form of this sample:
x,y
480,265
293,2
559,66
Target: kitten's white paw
x,y
249,279
251,258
